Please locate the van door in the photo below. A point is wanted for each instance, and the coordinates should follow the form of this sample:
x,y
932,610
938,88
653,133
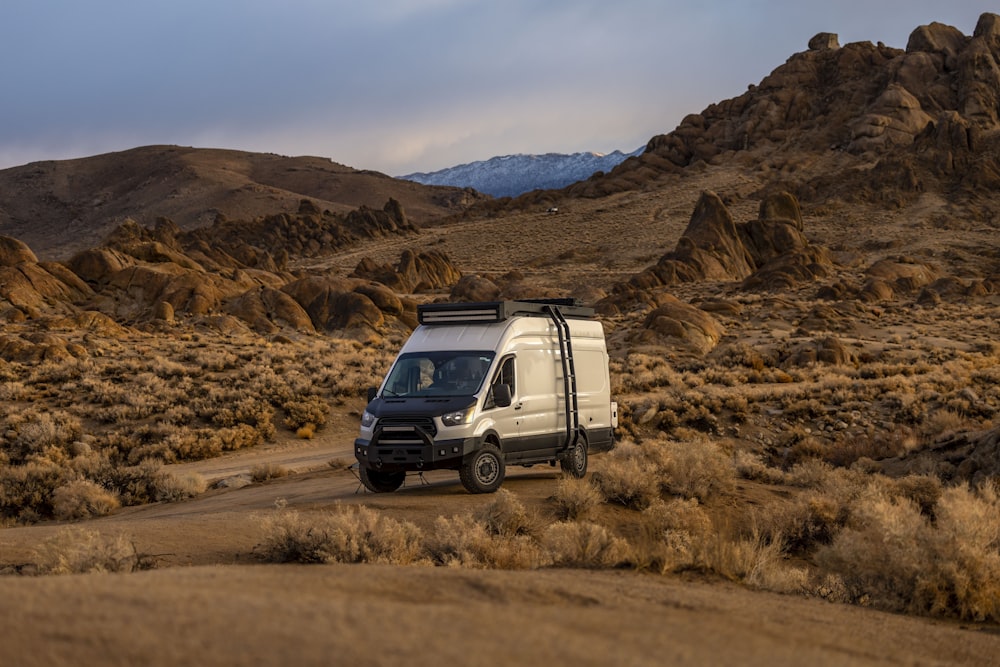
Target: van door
x,y
507,420
539,377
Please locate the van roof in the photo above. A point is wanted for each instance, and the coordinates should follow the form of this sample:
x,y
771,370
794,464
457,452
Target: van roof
x,y
485,312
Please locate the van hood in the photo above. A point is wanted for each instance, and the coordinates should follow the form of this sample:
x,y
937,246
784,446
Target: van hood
x,y
418,405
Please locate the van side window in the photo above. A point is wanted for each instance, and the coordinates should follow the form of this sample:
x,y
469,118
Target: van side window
x,y
504,375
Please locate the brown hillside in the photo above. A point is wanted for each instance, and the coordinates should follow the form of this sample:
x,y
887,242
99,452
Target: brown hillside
x,y
59,207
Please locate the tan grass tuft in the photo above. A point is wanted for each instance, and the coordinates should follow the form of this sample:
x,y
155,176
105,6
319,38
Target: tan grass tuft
x,y
82,499
575,498
78,551
265,471
346,535
584,544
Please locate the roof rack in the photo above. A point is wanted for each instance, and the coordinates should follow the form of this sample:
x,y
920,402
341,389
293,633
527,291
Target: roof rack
x,y
489,312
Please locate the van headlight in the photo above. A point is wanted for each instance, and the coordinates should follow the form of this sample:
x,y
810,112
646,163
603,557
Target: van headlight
x,y
456,418
367,419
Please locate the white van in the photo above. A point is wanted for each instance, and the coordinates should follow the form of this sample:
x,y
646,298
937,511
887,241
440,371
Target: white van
x,y
479,386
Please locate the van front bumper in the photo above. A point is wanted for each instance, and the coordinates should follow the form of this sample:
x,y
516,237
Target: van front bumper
x,y
392,454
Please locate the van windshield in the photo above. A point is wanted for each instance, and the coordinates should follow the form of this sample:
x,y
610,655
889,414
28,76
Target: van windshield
x,y
437,374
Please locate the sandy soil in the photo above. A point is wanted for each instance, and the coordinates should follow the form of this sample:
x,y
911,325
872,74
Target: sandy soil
x,y
378,615
211,602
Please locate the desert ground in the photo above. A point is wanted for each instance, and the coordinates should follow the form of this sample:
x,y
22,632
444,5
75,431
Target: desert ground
x,y
205,586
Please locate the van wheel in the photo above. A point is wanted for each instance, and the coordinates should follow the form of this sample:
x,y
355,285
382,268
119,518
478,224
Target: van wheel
x,y
484,471
381,482
575,460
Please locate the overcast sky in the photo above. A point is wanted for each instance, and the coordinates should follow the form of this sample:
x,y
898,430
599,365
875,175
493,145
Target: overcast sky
x,y
401,85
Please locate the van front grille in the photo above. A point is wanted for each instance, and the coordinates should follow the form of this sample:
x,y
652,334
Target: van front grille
x,y
405,428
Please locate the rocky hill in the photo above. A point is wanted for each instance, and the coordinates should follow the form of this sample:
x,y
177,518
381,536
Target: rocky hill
x,y
512,175
858,122
60,207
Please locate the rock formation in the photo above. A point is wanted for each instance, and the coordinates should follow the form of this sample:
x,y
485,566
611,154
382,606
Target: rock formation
x,y
769,253
414,272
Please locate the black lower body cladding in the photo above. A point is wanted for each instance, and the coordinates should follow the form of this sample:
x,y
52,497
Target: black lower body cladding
x,y
413,456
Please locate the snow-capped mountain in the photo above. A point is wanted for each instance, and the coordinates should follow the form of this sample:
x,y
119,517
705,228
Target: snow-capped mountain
x,y
512,175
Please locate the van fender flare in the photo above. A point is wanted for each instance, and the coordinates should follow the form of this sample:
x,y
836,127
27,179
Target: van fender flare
x,y
490,435
486,430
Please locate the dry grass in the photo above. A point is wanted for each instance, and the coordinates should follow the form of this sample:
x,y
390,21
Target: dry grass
x,y
575,498
82,499
77,551
462,541
346,535
891,555
584,544
112,417
265,471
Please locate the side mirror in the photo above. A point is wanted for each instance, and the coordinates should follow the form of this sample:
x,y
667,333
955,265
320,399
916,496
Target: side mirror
x,y
501,395
372,393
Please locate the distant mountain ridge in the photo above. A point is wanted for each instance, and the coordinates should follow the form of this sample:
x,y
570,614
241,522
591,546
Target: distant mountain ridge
x,y
512,175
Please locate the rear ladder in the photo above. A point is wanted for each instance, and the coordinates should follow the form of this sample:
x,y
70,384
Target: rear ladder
x,y
569,376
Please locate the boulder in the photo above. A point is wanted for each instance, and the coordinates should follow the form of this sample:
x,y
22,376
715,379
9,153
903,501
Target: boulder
x,y
824,40
14,252
98,265
903,273
937,38
894,119
30,288
827,350
332,303
267,310
681,325
475,288
413,273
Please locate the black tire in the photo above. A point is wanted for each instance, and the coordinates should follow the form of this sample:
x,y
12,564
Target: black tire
x,y
484,471
575,460
377,481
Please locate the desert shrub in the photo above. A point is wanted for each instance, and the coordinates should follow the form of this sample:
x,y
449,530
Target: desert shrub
x,y
810,520
82,499
465,542
668,533
628,481
584,544
698,469
940,424
171,487
809,473
741,354
245,411
265,471
35,434
26,491
77,551
965,546
505,515
346,535
146,482
238,437
575,498
892,556
924,490
752,466
755,560
12,390
847,450
313,410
